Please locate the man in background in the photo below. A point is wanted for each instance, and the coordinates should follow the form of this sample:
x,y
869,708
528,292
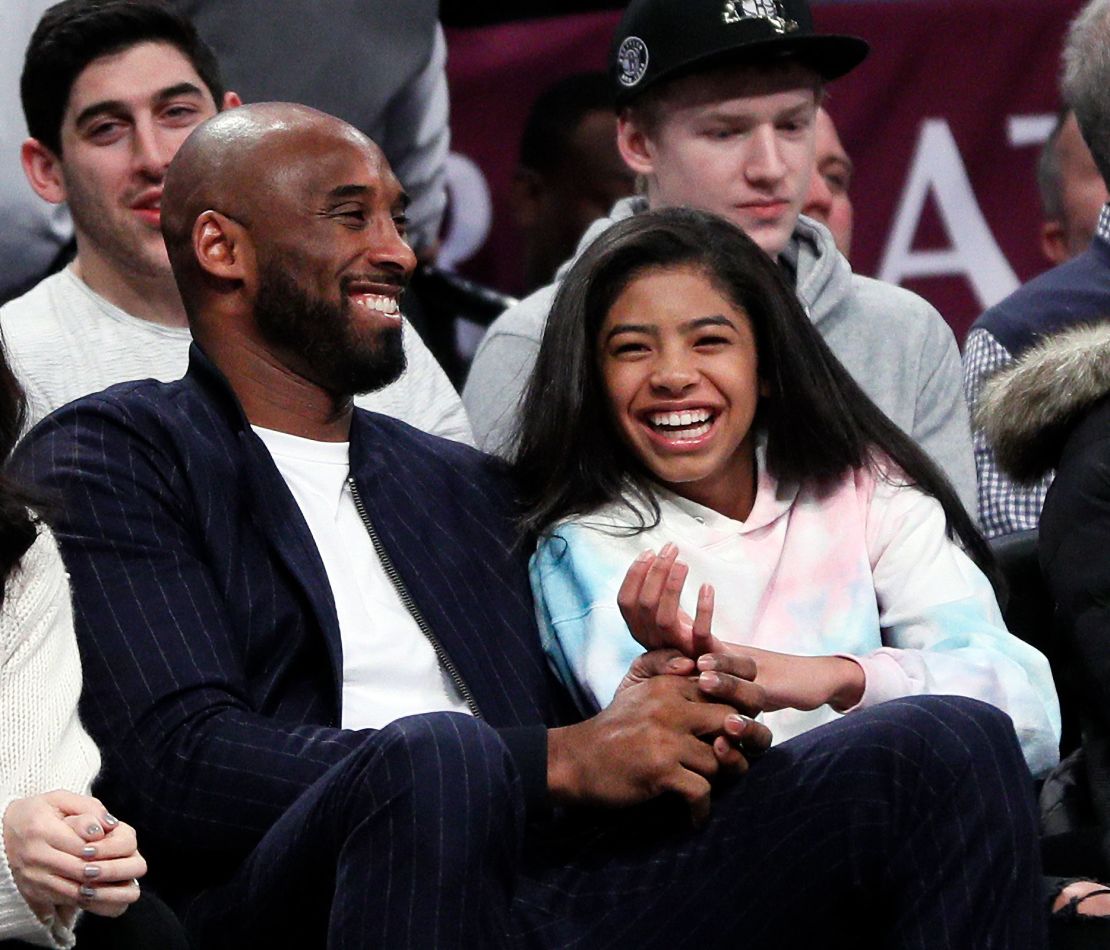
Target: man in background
x,y
1072,191
110,90
1075,291
570,172
828,200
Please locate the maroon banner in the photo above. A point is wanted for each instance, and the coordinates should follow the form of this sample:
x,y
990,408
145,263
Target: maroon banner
x,y
944,122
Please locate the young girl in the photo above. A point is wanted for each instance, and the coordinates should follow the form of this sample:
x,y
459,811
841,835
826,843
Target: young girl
x,y
683,403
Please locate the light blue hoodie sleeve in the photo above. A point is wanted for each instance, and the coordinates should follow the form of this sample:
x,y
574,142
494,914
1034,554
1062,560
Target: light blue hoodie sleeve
x,y
575,577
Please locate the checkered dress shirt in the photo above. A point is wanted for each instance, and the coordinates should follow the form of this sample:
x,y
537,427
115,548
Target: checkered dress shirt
x,y
1004,505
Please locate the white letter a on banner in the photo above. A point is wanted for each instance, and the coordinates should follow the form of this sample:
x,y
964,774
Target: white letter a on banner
x,y
938,168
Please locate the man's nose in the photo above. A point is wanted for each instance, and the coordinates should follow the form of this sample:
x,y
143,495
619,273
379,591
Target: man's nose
x,y
388,247
152,150
764,161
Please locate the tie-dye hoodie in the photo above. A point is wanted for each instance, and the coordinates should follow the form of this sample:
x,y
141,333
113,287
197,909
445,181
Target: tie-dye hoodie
x,y
863,570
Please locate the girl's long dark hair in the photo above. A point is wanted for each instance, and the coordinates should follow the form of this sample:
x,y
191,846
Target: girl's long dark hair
x,y
569,458
17,522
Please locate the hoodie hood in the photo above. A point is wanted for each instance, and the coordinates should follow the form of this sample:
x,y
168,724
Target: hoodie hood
x,y
821,274
1029,408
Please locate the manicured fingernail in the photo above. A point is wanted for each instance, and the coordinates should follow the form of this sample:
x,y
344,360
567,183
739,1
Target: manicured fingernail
x,y
86,891
110,820
91,870
707,662
739,723
710,680
668,549
93,830
88,851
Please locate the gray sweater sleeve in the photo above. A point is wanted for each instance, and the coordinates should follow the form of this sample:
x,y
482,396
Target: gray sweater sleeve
x,y
941,425
501,369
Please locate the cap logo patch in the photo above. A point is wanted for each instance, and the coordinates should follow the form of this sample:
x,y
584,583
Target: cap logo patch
x,y
632,61
736,11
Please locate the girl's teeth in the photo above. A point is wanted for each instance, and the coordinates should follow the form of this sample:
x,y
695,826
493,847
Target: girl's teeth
x,y
687,417
683,435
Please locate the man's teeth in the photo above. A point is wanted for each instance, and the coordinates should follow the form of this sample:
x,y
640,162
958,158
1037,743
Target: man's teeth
x,y
374,302
687,424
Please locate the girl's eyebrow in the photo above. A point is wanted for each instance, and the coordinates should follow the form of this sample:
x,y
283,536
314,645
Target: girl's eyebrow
x,y
697,323
632,328
717,320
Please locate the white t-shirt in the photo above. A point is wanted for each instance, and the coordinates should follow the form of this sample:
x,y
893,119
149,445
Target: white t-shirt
x,y
390,669
65,341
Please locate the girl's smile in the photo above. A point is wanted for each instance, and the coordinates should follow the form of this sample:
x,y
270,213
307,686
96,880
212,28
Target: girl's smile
x,y
679,363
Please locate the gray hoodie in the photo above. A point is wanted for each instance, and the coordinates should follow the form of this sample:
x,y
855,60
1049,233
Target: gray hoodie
x,y
894,344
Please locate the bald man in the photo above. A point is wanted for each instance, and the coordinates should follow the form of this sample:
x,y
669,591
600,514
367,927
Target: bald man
x,y
313,667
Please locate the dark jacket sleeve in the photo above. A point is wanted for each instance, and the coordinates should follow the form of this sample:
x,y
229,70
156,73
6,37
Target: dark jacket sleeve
x,y
1075,558
185,754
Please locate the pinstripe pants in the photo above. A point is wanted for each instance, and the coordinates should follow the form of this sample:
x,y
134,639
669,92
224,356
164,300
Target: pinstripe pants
x,y
909,825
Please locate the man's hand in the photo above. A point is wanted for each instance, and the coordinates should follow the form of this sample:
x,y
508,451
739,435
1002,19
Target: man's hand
x,y
722,678
649,741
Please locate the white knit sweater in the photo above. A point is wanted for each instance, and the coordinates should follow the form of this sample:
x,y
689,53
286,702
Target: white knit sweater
x,y
42,744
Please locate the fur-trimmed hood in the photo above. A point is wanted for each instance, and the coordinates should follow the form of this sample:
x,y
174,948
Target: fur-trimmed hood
x,y
1028,409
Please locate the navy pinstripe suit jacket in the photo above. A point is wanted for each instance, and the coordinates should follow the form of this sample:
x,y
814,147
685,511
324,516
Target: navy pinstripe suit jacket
x,y
208,633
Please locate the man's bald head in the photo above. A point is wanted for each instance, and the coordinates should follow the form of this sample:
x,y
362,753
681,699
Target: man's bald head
x,y
239,164
286,232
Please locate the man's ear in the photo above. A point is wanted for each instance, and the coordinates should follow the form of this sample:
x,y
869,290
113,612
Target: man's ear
x,y
231,100
1054,242
221,246
525,197
636,146
43,170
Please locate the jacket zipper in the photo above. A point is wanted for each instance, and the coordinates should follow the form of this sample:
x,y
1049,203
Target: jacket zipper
x,y
398,585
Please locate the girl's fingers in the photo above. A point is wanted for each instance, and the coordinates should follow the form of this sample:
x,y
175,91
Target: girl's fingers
x,y
666,613
628,597
703,621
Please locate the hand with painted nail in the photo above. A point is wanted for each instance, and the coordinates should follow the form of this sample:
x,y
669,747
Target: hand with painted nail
x,y
67,851
649,602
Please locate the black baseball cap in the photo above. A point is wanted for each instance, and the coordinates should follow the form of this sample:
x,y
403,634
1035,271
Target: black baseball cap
x,y
663,39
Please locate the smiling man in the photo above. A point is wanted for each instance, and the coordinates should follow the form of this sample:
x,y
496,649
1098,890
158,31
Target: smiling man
x,y
717,109
111,89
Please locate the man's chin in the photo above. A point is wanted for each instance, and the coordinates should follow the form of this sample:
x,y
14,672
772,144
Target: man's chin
x,y
381,364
